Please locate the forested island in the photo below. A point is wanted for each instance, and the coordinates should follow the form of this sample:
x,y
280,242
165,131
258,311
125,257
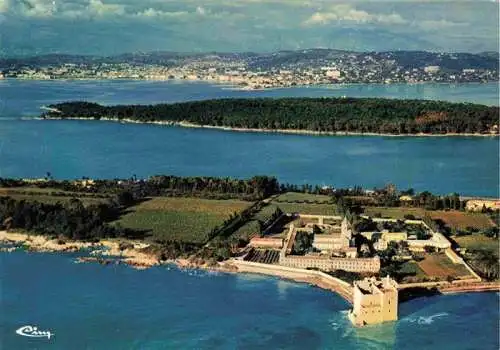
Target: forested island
x,y
315,115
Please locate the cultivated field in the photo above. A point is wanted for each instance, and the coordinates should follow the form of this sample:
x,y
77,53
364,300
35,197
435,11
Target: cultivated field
x,y
454,219
294,197
182,219
248,231
413,270
265,213
394,213
478,242
290,202
439,265
461,220
312,209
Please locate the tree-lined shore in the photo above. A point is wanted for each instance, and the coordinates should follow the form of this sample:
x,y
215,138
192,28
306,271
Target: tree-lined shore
x,y
315,115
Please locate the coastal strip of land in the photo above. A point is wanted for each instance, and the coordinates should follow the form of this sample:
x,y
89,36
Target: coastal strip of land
x,y
112,251
108,251
426,242
313,116
185,124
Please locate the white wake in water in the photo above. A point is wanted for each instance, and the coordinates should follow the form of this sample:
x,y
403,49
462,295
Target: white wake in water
x,y
424,319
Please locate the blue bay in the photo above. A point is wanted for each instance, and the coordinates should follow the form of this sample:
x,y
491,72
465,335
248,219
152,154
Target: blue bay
x,y
69,149
89,306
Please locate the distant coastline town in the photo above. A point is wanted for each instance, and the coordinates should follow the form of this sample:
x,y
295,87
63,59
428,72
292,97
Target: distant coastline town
x,y
260,71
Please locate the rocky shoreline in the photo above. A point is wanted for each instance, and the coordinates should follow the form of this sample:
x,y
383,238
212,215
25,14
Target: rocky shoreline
x,y
128,252
105,252
133,254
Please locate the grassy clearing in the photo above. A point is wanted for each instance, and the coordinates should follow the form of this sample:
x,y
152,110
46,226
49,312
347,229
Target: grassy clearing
x,y
182,219
478,242
439,265
295,196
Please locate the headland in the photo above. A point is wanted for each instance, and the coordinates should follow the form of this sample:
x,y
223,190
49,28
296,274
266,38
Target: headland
x,y
330,238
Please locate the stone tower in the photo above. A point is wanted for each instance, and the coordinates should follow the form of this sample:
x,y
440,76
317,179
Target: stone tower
x,y
374,301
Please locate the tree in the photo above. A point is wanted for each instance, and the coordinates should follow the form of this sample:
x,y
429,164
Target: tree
x,y
429,249
408,192
316,230
303,242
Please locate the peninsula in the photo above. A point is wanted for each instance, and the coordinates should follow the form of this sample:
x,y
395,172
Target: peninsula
x,y
342,240
301,115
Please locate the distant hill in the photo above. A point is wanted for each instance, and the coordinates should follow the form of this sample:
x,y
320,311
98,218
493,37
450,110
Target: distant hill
x,y
280,59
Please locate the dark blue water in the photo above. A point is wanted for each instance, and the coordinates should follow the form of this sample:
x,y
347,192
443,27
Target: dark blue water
x,y
69,149
89,306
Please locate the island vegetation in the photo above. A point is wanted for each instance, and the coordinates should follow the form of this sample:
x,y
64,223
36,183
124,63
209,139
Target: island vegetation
x,y
328,115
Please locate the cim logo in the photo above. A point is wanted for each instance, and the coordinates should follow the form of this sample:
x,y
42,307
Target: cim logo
x,y
33,332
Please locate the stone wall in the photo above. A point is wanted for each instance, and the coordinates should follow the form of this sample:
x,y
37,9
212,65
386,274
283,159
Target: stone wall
x,y
318,278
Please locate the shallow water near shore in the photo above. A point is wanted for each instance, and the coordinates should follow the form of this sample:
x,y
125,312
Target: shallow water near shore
x,y
90,306
100,149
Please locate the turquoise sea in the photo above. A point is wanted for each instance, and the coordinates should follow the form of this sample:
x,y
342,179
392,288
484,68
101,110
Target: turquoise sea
x,y
69,149
90,306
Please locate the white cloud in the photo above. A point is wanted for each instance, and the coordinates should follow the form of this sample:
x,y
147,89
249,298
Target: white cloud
x,y
347,13
126,9
4,6
438,24
68,9
99,8
150,12
37,8
201,10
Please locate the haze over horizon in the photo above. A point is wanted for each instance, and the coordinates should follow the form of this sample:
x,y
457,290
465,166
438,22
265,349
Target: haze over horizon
x,y
110,27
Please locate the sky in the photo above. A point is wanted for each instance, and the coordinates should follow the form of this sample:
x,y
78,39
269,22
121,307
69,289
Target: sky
x,y
108,27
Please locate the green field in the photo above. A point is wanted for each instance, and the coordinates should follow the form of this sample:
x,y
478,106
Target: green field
x,y
295,196
305,203
478,242
49,195
247,231
311,209
265,213
182,219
